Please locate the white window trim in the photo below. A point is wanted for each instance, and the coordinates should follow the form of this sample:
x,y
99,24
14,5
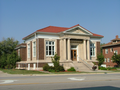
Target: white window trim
x,y
105,60
28,50
108,59
34,51
116,51
48,47
106,51
92,49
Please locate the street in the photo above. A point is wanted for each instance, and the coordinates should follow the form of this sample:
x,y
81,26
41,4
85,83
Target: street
x,y
62,82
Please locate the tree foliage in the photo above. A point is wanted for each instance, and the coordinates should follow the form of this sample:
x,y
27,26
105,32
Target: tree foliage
x,y
100,58
116,59
8,56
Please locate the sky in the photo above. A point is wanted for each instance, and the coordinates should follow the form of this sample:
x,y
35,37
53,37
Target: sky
x,y
19,18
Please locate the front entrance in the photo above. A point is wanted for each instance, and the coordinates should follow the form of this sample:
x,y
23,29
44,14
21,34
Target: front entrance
x,y
74,55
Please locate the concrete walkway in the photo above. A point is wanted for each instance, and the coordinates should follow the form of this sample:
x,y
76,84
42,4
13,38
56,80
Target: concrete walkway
x,y
2,74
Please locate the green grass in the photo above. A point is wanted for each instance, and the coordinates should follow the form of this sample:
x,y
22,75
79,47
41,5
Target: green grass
x,y
17,71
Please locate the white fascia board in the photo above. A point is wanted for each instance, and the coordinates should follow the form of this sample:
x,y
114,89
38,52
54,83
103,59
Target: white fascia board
x,y
34,34
78,27
20,47
78,34
96,39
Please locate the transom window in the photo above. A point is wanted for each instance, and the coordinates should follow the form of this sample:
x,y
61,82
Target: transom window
x,y
50,48
92,49
34,49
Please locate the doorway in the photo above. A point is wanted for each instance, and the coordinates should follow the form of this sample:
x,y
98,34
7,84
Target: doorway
x,y
74,55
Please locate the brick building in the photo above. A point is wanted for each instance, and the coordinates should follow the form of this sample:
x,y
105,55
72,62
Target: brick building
x,y
109,49
76,46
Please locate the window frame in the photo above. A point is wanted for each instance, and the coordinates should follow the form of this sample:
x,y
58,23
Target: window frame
x,y
116,51
105,60
28,53
92,49
34,49
106,51
50,48
108,59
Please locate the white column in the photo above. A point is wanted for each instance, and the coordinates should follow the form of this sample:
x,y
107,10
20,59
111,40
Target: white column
x,y
69,52
28,66
85,49
65,49
88,49
18,66
34,66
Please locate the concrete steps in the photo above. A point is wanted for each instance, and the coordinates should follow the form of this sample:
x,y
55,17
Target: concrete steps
x,y
80,66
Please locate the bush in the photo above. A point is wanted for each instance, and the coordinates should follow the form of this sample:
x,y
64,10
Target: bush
x,y
51,70
108,68
46,67
102,68
71,69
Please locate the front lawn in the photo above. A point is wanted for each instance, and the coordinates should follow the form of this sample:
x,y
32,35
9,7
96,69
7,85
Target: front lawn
x,y
17,71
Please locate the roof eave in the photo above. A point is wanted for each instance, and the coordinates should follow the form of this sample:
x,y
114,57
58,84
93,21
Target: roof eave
x,y
110,45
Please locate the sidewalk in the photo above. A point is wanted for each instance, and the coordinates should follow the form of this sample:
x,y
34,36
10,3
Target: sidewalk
x,y
2,74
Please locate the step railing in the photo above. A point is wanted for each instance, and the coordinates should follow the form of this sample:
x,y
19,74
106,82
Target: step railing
x,y
85,63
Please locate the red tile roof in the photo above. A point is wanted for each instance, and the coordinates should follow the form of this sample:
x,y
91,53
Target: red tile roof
x,y
52,29
55,29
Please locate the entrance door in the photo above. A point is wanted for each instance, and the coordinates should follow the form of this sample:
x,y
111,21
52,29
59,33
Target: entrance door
x,y
74,55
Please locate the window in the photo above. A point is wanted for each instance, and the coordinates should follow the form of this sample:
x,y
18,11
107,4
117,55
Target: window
x,y
106,51
116,51
108,60
28,50
111,49
105,59
34,49
92,49
18,52
50,49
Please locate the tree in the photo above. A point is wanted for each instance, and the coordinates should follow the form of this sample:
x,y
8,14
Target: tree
x,y
7,52
100,58
8,45
12,59
116,59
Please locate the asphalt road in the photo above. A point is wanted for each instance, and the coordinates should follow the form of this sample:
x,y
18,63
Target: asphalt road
x,y
61,82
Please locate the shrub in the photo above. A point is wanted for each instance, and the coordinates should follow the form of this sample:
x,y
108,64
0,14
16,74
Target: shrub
x,y
46,67
71,69
102,68
51,70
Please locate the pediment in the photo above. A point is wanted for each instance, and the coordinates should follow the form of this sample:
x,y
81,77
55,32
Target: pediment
x,y
78,30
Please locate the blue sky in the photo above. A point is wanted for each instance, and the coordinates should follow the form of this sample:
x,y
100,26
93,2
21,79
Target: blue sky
x,y
19,18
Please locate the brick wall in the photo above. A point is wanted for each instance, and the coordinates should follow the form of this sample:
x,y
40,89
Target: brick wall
x,y
98,48
41,49
58,47
23,54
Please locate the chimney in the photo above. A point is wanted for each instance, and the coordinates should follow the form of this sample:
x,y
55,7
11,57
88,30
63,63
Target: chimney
x,y
116,36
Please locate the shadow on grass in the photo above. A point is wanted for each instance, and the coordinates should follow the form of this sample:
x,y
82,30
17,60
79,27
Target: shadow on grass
x,y
94,88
